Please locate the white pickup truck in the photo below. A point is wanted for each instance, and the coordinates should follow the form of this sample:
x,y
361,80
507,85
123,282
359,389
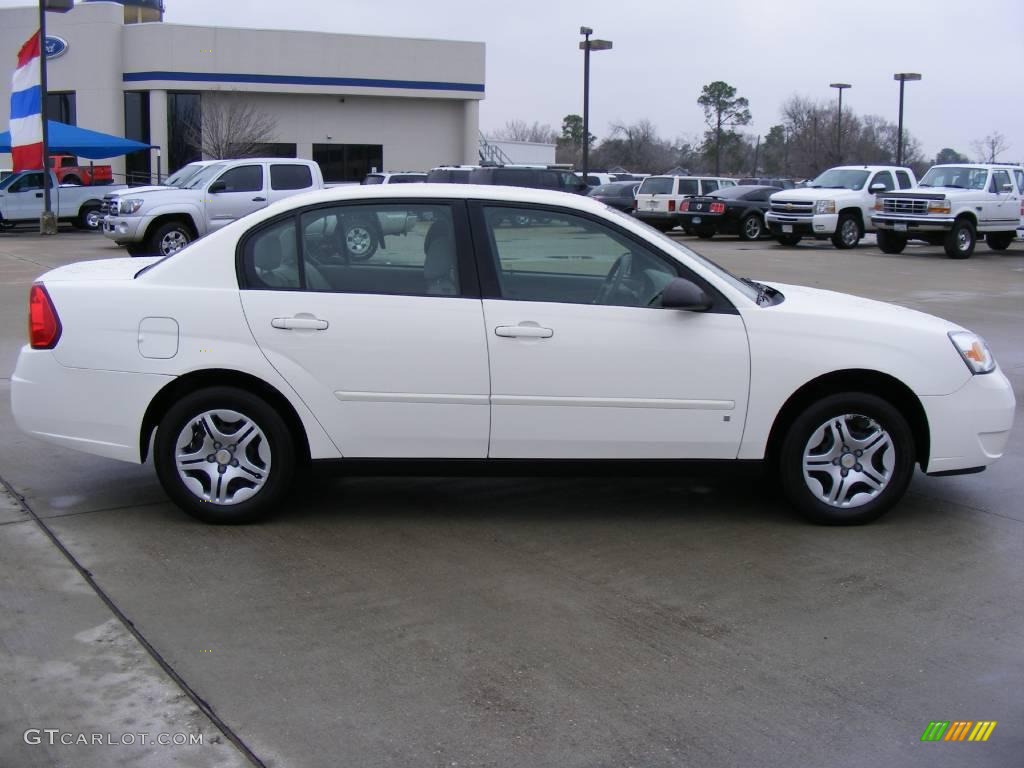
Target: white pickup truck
x,y
954,205
837,205
21,200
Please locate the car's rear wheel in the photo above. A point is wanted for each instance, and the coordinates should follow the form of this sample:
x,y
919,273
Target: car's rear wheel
x,y
847,459
360,239
890,242
848,231
705,233
999,241
751,228
960,240
224,455
89,217
788,240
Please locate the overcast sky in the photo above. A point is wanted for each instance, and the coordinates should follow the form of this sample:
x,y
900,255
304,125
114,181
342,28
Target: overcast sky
x,y
970,53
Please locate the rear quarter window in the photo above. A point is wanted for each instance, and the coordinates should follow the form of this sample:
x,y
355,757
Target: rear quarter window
x,y
290,176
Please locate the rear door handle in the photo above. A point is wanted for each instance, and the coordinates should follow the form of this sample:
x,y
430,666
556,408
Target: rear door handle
x,y
299,323
523,332
259,199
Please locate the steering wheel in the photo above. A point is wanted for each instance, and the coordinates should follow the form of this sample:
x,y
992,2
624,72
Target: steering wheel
x,y
613,281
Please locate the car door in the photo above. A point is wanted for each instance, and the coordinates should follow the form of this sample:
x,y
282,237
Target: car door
x,y
235,193
1004,208
583,362
24,198
388,350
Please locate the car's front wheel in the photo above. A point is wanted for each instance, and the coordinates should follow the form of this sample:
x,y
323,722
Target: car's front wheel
x,y
169,238
960,240
890,242
847,459
848,231
788,240
224,455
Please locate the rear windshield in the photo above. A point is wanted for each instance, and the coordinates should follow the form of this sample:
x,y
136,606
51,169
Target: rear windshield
x,y
408,179
373,179
656,185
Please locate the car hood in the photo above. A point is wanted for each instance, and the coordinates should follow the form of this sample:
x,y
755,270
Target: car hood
x,y
140,190
809,195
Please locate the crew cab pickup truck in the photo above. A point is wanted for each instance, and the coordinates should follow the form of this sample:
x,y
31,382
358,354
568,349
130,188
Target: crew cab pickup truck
x,y
70,172
837,205
953,205
21,201
176,179
163,221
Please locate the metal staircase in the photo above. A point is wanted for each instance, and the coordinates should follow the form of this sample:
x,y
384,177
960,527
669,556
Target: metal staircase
x,y
491,154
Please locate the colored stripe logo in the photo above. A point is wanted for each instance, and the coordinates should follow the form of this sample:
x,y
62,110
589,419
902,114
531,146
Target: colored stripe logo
x,y
959,730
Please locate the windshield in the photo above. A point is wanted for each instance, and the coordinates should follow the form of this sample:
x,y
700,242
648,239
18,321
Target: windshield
x,y
205,175
183,174
8,180
840,178
743,287
957,177
656,185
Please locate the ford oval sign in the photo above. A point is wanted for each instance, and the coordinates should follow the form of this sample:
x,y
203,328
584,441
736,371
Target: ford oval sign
x,y
55,46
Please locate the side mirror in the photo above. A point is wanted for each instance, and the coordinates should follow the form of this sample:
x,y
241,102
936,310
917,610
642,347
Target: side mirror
x,y
875,188
682,294
217,186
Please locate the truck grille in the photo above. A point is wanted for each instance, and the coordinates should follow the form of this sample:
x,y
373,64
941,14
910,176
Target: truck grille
x,y
109,205
797,208
904,205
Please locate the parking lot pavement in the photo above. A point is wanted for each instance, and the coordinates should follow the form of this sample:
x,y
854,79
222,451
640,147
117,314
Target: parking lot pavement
x,y
688,620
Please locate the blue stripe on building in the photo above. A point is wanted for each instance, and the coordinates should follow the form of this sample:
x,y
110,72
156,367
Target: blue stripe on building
x,y
27,102
358,82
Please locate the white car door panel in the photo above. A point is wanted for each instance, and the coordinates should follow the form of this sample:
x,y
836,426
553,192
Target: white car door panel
x,y
399,376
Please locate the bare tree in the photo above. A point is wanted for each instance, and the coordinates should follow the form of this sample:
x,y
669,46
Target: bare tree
x,y
989,148
519,130
231,126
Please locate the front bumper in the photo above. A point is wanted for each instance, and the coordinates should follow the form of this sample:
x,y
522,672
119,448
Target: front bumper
x,y
895,223
817,225
970,427
125,229
94,411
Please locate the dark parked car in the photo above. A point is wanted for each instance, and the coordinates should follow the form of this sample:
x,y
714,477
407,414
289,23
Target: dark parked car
x,y
537,177
617,194
730,211
782,183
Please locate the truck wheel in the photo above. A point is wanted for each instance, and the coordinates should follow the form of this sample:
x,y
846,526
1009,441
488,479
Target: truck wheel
x,y
999,241
72,179
360,239
89,217
960,240
789,240
137,249
169,238
890,242
848,232
751,228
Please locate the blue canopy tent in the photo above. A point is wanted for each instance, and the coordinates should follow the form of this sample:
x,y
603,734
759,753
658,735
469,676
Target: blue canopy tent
x,y
72,140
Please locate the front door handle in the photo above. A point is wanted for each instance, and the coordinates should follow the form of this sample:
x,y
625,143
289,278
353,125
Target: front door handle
x,y
299,323
259,199
39,194
523,332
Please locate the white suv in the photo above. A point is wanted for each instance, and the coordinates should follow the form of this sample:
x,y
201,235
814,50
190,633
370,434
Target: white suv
x,y
658,198
395,177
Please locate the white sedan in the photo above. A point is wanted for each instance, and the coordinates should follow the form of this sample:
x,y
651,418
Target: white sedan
x,y
508,325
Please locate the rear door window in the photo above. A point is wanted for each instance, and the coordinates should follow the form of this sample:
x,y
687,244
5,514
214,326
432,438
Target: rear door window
x,y
288,176
904,179
689,187
710,185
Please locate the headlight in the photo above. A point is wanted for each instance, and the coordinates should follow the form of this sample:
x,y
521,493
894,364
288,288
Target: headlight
x,y
939,206
128,207
825,206
974,351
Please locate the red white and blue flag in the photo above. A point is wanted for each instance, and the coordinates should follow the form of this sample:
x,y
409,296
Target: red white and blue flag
x,y
26,109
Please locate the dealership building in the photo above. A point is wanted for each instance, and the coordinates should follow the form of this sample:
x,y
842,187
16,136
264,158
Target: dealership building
x,y
352,103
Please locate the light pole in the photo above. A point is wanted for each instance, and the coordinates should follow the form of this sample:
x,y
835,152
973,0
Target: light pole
x,y
903,77
47,220
839,121
587,45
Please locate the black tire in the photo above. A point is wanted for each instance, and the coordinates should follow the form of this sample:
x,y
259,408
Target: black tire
x,y
89,217
169,238
688,230
705,233
890,242
751,227
359,237
960,240
788,240
849,231
861,414
999,241
274,431
137,249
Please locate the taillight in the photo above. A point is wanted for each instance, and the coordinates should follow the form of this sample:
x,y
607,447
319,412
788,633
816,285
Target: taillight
x,y
684,205
671,206
718,207
43,323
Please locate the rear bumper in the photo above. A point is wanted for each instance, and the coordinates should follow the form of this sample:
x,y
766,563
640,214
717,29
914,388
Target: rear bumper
x,y
657,217
970,428
889,222
94,411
